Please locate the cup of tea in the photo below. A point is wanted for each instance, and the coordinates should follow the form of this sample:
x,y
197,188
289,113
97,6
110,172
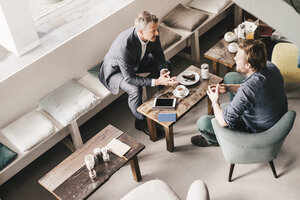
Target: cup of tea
x,y
180,89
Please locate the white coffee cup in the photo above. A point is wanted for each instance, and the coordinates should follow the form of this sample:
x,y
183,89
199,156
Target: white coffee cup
x,y
180,89
229,36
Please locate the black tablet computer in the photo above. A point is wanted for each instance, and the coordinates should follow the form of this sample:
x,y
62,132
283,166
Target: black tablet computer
x,y
164,103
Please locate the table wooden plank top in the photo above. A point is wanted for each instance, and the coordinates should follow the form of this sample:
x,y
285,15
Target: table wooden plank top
x,y
183,105
70,179
219,53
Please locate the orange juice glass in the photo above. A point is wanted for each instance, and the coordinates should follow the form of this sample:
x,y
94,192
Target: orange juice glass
x,y
249,35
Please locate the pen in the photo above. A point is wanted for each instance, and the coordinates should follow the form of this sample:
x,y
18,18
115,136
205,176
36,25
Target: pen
x,y
124,158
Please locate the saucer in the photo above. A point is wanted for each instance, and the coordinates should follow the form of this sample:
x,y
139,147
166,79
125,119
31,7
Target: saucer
x,y
184,81
186,92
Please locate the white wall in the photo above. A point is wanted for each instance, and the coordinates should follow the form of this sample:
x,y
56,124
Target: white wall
x,y
18,33
278,14
5,36
21,92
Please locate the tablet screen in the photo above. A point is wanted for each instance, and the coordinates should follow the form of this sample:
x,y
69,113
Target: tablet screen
x,y
164,102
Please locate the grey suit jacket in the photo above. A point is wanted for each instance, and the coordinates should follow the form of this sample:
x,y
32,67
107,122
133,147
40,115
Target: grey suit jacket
x,y
124,57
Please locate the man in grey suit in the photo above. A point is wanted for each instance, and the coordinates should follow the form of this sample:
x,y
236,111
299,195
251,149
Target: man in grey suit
x,y
136,50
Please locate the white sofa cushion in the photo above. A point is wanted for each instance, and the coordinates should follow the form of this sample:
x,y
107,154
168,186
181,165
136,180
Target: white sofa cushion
x,y
69,102
155,189
92,82
212,6
28,130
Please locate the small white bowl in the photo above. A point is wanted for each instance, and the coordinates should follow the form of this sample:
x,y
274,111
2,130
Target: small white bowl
x,y
229,36
233,47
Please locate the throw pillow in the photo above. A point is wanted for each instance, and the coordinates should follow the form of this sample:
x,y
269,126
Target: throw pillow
x,y
167,37
212,6
184,18
69,102
28,130
6,156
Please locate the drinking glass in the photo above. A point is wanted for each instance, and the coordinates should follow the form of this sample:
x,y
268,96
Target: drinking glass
x,y
105,155
89,159
90,163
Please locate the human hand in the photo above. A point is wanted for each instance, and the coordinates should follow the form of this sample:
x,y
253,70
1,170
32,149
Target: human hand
x,y
166,80
222,88
213,94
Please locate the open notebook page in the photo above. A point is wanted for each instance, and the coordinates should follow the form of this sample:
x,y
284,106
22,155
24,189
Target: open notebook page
x,y
117,147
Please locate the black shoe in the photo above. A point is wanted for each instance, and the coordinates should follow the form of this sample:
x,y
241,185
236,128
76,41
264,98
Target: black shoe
x,y
200,141
141,125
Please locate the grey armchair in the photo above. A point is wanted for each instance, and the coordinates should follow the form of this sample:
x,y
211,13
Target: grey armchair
x,y
244,148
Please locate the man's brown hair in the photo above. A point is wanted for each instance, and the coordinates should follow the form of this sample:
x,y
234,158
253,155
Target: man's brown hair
x,y
256,53
143,19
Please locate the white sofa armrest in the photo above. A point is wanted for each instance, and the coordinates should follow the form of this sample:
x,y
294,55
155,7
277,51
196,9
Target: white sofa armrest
x,y
198,191
154,189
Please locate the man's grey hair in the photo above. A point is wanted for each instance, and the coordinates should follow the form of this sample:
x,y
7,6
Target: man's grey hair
x,y
143,19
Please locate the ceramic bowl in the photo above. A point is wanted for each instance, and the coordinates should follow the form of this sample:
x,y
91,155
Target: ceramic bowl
x,y
229,36
233,47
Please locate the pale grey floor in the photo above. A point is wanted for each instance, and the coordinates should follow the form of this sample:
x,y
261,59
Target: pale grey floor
x,y
180,168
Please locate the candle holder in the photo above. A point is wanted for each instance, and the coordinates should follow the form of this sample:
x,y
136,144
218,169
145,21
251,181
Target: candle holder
x,y
98,153
90,163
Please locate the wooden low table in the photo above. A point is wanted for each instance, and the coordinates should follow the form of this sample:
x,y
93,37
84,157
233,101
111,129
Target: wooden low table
x,y
197,93
219,54
70,179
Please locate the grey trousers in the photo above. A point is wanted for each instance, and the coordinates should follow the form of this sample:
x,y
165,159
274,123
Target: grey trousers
x,y
135,92
134,97
204,124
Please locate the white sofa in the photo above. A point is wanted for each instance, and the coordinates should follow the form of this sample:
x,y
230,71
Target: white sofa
x,y
23,136
159,190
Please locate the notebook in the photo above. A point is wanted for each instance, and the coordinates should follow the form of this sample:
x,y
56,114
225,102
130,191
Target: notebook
x,y
117,147
167,117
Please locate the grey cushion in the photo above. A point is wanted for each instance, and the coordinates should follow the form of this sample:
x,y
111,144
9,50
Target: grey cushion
x,y
6,156
167,37
184,18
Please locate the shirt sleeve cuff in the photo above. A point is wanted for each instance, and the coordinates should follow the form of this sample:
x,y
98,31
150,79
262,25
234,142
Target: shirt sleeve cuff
x,y
153,83
163,69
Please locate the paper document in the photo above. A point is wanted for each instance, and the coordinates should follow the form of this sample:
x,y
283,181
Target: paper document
x,y
117,147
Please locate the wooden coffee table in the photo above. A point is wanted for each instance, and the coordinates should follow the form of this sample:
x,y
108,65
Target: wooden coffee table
x,y
219,54
70,179
197,93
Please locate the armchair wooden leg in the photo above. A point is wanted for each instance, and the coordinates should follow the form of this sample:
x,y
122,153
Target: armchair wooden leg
x,y
273,168
230,172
